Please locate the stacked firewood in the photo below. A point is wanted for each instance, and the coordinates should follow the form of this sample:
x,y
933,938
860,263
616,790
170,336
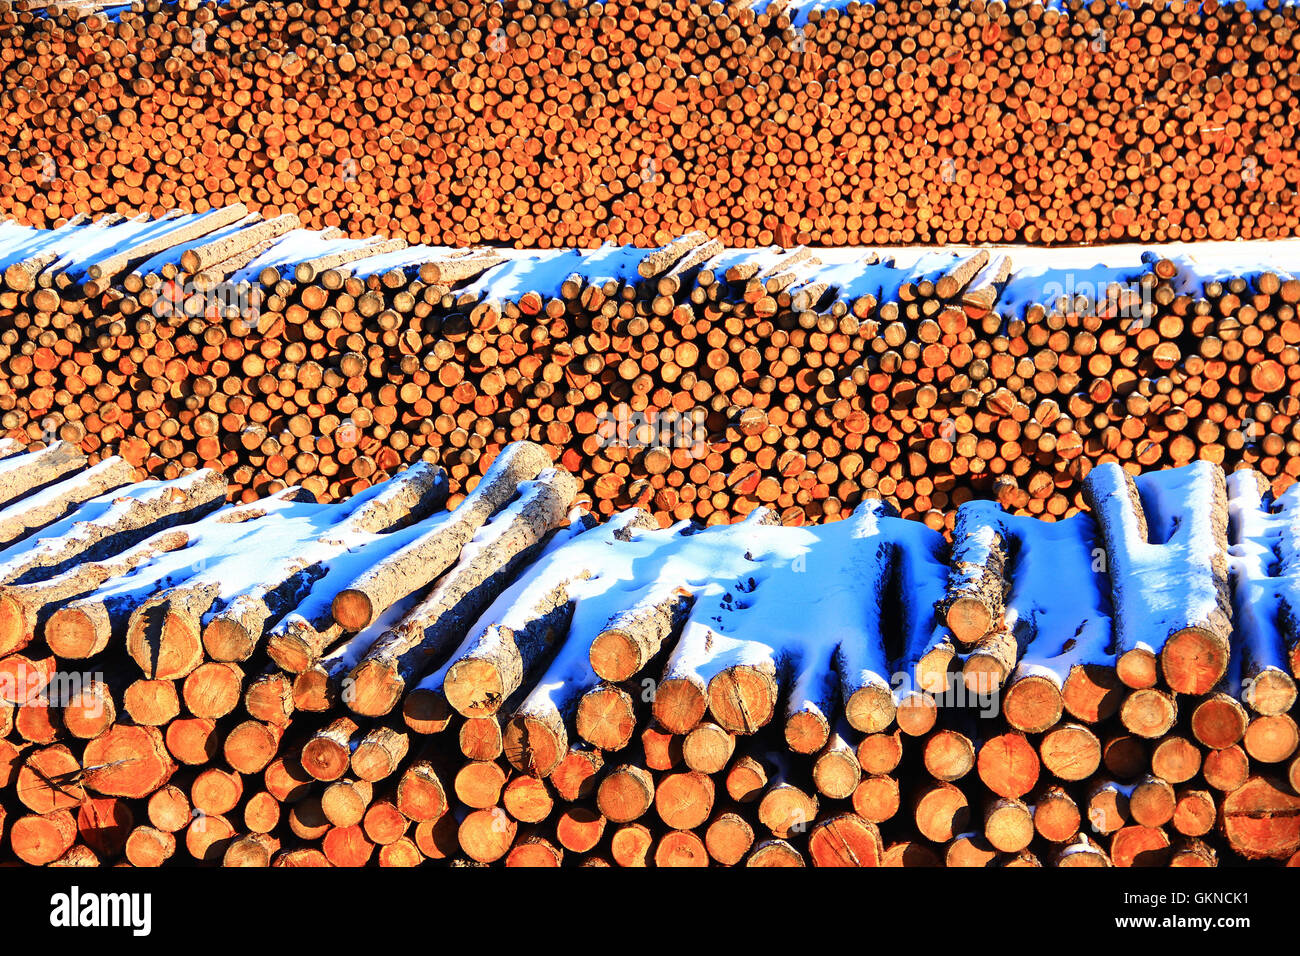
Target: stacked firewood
x,y
830,122
690,380
288,683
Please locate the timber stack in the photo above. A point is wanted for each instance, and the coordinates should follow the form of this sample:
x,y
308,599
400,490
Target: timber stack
x,y
513,681
825,122
691,380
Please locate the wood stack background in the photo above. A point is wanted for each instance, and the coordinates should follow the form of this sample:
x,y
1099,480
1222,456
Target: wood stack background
x,y
383,682
558,124
692,380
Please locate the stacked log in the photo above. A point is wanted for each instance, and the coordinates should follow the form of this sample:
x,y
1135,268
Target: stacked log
x,y
694,381
828,123
514,682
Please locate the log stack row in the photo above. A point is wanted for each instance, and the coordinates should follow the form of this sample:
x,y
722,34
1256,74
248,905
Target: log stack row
x,y
691,380
529,123
381,681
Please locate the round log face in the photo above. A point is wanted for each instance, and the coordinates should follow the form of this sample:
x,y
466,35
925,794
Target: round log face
x,y
1261,819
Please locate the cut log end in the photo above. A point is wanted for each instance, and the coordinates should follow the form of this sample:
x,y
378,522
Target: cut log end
x,y
426,712
1092,692
533,746
76,633
474,687
606,717
375,688
227,640
1193,660
969,619
1137,669
1219,721
15,625
352,609
679,705
870,709
1033,704
845,840
615,656
1149,713
742,698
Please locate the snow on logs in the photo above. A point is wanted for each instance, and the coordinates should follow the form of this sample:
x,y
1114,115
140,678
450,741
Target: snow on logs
x,y
691,380
525,684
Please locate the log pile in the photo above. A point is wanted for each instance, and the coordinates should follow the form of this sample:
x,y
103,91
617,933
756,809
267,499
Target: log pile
x,y
380,681
691,380
527,123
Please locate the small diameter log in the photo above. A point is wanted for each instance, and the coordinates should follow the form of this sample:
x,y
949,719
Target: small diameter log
x,y
1195,812
327,755
1008,765
633,636
383,823
684,800
941,812
973,601
534,850
1264,549
1083,851
877,798
379,753
517,632
1140,846
486,835
1070,752
774,853
1056,815
234,630
1193,853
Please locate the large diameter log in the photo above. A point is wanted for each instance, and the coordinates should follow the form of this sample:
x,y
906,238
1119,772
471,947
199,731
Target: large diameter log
x,y
1261,819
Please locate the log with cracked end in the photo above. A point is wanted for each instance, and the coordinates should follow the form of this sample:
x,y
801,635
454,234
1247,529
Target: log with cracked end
x,y
422,560
1264,537
234,632
486,567
1167,553
84,625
